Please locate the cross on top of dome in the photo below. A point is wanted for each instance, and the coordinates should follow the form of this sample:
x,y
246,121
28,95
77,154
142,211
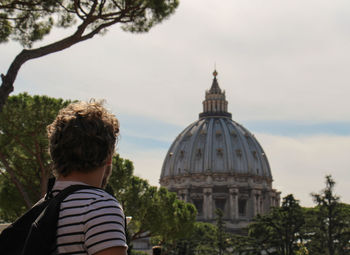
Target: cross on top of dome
x,y
215,89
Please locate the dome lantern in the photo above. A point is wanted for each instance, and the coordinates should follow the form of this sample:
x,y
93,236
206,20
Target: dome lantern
x,y
215,103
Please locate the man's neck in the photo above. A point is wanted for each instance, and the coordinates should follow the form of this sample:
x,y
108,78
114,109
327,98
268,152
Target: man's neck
x,y
93,178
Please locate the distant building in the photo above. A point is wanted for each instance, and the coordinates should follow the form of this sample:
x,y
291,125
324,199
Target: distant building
x,y
217,163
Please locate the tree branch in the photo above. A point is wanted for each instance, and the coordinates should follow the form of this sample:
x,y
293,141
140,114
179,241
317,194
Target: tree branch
x,y
117,5
78,9
7,80
138,235
93,8
64,7
100,9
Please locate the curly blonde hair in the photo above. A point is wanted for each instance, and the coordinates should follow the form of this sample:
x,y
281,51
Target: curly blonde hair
x,y
82,137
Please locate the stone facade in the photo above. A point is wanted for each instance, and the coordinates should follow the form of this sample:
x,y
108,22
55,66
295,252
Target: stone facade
x,y
240,197
217,163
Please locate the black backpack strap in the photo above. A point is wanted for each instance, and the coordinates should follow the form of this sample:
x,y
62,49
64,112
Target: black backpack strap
x,y
50,184
42,235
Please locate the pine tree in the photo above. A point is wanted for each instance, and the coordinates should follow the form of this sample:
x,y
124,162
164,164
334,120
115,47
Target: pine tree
x,y
329,223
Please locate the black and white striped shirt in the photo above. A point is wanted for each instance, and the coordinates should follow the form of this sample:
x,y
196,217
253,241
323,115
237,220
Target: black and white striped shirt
x,y
90,220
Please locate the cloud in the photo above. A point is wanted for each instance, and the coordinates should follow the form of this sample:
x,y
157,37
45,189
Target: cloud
x,y
299,164
147,163
297,128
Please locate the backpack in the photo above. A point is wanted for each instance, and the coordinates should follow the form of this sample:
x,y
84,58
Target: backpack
x,y
35,231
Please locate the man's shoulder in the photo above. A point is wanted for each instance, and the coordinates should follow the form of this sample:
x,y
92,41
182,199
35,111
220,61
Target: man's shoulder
x,y
87,196
94,195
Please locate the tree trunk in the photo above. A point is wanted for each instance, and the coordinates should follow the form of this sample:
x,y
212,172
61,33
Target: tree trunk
x,y
14,179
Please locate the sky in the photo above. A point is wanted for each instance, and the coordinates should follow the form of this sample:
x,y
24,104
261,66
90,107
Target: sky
x,y
283,64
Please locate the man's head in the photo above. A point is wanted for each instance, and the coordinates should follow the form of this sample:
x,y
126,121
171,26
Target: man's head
x,y
82,137
157,250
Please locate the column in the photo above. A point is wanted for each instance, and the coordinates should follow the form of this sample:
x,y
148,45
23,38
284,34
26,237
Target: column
x,y
208,203
185,191
210,198
272,199
267,201
233,200
257,196
255,201
205,205
252,204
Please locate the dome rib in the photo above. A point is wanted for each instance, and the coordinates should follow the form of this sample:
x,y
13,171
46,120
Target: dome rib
x,y
193,160
228,145
188,163
208,146
241,150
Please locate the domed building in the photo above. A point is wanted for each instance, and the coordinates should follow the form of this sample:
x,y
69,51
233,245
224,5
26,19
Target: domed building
x,y
217,163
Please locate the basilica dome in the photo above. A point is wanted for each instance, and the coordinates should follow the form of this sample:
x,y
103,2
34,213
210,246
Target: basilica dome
x,y
216,163
216,144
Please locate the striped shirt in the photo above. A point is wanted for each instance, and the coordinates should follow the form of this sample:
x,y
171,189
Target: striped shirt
x,y
90,220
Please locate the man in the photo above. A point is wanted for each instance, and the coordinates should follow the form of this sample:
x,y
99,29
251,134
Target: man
x,y
82,142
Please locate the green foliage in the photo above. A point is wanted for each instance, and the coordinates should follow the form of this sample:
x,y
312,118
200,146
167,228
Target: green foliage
x,y
302,250
24,159
290,229
28,21
208,239
280,229
243,245
221,237
12,204
155,212
175,217
202,240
